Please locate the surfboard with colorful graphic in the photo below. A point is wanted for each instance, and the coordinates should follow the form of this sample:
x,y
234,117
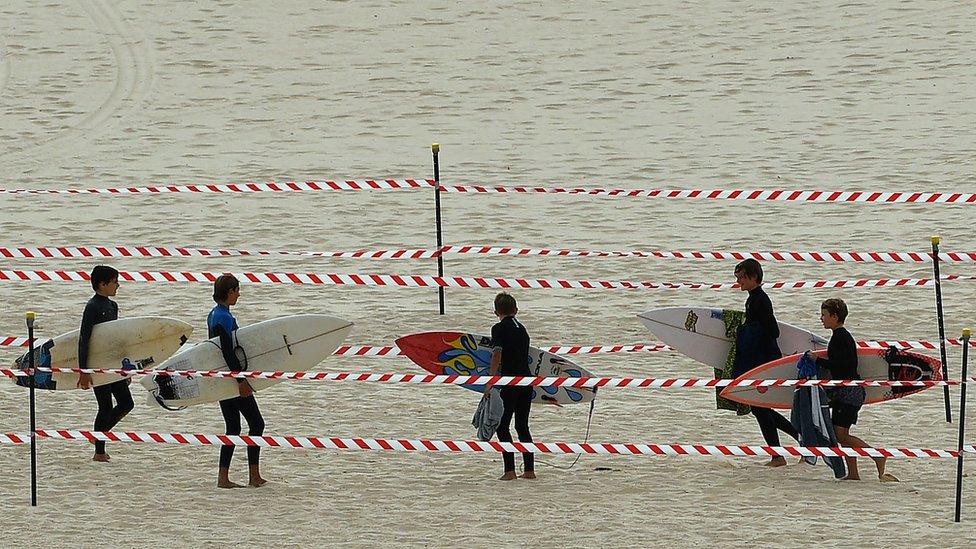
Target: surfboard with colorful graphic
x,y
456,353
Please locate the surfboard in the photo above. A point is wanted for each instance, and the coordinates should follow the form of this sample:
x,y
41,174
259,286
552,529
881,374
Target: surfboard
x,y
456,353
872,364
699,333
128,343
286,344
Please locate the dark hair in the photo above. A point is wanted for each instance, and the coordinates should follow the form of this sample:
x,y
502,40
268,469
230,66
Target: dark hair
x,y
750,268
102,274
505,304
223,285
836,307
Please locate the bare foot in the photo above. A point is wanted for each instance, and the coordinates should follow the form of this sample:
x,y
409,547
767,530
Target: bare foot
x,y
888,477
849,477
776,462
509,475
528,475
101,457
257,482
227,484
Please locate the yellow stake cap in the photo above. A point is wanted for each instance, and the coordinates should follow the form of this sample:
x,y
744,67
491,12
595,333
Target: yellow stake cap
x,y
936,240
436,147
967,332
30,316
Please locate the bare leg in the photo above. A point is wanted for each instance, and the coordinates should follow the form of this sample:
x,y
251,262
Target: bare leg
x,y
845,438
223,479
254,476
852,473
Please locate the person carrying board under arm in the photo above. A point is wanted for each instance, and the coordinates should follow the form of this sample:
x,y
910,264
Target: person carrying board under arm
x,y
222,325
510,357
99,309
756,345
845,402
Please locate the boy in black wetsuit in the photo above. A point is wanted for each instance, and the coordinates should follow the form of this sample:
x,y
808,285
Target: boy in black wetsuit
x,y
510,357
756,345
845,402
99,309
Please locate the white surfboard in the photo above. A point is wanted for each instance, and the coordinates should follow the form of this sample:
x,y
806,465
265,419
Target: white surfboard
x,y
699,333
128,343
286,344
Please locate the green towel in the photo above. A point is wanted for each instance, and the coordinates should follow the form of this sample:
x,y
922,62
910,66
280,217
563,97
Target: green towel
x,y
733,319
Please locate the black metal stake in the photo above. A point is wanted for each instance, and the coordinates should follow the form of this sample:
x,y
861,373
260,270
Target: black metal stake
x,y
33,425
938,310
436,149
962,419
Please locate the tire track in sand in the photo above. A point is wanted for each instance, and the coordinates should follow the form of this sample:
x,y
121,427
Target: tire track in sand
x,y
133,79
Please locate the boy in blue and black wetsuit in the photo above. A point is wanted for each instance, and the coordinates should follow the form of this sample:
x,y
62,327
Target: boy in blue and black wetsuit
x,y
756,345
510,357
222,325
99,309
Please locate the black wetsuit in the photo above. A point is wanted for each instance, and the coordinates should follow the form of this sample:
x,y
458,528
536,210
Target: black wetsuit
x,y
841,361
510,337
756,345
221,324
101,309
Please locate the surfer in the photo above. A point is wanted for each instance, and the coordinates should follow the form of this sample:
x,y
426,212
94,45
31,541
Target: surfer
x,y
509,357
845,402
99,309
222,324
756,345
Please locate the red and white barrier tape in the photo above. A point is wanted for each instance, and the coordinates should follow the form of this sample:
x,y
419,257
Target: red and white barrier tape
x,y
15,438
393,351
470,446
72,252
758,195
388,351
269,187
427,281
499,381
770,195
779,256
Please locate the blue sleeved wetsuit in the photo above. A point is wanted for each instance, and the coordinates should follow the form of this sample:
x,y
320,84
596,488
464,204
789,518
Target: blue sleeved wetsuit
x,y
222,324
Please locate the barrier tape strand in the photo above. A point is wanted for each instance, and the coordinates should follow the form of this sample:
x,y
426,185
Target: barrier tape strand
x,y
268,187
474,446
468,282
500,381
115,251
391,351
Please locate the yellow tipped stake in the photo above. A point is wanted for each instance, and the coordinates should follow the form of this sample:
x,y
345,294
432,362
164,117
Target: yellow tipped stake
x,y
33,423
962,419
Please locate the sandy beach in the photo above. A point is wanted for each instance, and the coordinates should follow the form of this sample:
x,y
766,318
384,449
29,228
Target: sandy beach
x,y
805,95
